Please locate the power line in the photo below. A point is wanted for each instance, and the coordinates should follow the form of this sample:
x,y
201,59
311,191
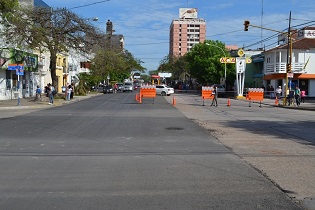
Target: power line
x,y
86,5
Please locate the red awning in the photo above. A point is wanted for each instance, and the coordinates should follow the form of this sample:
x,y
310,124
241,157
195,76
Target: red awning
x,y
155,76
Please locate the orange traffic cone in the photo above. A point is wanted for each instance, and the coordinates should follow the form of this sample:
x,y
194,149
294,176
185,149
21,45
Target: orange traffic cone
x,y
229,103
140,99
276,102
174,101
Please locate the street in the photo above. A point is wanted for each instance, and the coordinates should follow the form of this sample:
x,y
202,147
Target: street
x,y
109,152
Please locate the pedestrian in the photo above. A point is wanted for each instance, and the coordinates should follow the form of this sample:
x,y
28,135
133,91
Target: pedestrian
x,y
272,92
297,95
303,94
278,92
38,93
50,91
69,91
115,88
263,87
72,91
215,95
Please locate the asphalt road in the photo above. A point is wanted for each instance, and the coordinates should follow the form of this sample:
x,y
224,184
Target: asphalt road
x,y
109,152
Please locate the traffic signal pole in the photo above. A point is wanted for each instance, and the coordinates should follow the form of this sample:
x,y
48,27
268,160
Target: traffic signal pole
x,y
289,51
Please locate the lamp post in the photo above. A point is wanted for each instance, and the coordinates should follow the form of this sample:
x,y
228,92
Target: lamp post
x,y
224,62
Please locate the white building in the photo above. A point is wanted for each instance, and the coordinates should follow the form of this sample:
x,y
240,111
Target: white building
x,y
302,66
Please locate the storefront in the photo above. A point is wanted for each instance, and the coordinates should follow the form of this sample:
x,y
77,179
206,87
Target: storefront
x,y
17,83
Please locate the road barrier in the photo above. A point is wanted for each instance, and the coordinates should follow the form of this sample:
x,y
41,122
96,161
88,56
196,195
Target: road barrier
x,y
148,91
255,94
206,94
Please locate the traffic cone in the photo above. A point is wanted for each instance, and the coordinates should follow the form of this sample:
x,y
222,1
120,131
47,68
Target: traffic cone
x,y
276,101
229,103
174,101
140,99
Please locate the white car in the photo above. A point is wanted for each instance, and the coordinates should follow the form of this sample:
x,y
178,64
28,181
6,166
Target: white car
x,y
127,87
164,90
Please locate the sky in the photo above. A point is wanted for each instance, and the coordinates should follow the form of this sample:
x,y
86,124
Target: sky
x,y
145,24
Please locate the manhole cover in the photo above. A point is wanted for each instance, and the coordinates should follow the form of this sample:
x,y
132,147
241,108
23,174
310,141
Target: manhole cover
x,y
174,128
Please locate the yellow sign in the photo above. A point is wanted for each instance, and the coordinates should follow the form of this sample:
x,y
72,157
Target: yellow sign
x,y
248,60
227,60
240,52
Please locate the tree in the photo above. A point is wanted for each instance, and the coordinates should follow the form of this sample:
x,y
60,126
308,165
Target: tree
x,y
56,31
8,7
175,65
115,63
204,62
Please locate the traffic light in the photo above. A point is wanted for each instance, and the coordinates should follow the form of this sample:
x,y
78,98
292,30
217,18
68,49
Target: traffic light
x,y
288,67
246,24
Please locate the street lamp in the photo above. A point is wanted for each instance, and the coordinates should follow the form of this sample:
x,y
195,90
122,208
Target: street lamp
x,y
224,62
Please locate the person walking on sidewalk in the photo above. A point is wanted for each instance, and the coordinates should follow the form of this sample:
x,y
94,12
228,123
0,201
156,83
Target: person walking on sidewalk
x,y
50,90
215,95
38,93
69,91
297,96
278,92
303,94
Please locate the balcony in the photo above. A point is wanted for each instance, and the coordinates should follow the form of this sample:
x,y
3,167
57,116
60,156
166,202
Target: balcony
x,y
276,68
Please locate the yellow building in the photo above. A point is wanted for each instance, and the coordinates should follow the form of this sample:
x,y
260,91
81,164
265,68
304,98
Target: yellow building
x,y
62,70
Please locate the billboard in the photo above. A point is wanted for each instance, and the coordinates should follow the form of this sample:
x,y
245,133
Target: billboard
x,y
165,75
185,13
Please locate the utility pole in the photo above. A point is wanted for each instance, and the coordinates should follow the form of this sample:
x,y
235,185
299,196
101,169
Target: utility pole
x,y
289,61
289,51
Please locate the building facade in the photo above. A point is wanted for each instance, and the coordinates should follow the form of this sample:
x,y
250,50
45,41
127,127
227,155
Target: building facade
x,y
302,66
186,31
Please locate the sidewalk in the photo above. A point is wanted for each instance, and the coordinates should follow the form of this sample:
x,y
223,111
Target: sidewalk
x,y
26,103
308,105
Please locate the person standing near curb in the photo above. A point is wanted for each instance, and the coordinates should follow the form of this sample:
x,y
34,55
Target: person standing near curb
x,y
72,91
215,95
278,92
38,93
303,94
69,91
50,91
297,95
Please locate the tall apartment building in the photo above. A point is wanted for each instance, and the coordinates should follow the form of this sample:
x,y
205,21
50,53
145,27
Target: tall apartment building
x,y
186,31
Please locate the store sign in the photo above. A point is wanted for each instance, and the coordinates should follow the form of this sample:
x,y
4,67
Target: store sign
x,y
306,34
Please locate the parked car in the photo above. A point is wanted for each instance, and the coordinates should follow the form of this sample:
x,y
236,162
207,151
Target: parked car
x,y
164,90
108,89
127,87
120,86
220,88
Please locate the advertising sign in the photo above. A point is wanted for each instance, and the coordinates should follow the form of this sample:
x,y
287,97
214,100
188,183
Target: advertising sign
x,y
240,65
188,13
165,75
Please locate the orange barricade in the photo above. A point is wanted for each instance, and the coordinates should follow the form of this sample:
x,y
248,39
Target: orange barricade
x,y
206,93
147,92
255,94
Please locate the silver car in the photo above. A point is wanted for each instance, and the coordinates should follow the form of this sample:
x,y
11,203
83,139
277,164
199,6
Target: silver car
x,y
127,87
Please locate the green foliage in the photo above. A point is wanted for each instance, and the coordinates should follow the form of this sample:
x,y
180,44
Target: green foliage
x,y
204,62
178,66
8,6
82,88
55,31
116,64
